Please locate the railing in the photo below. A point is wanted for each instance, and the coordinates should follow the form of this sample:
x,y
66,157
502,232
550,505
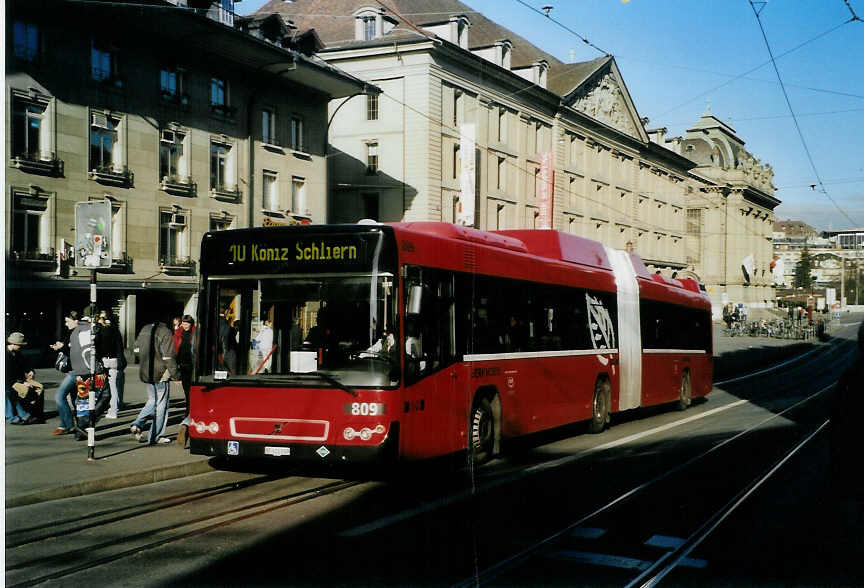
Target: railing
x,y
181,186
226,193
41,163
114,175
223,110
779,329
177,265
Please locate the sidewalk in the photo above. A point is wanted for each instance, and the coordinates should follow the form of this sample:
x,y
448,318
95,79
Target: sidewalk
x,y
41,467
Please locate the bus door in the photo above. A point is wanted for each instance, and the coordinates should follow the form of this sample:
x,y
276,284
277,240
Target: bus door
x,y
430,420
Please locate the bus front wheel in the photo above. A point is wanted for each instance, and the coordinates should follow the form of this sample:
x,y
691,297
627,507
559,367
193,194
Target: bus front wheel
x,y
482,424
600,407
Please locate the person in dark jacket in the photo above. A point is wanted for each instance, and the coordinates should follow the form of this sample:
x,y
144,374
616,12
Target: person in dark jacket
x,y
114,360
846,406
86,349
17,372
157,367
185,347
227,343
67,386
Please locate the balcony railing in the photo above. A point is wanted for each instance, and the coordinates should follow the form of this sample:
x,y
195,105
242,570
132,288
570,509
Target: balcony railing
x,y
175,97
226,193
113,175
177,265
223,110
36,259
38,163
179,185
119,265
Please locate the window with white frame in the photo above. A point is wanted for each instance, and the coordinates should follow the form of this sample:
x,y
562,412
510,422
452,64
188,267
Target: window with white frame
x,y
268,126
372,157
103,61
270,189
223,172
369,29
26,41
173,158
30,128
297,142
118,229
31,226
298,196
372,107
173,236
106,154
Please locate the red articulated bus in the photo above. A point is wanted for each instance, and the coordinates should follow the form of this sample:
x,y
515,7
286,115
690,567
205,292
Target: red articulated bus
x,y
341,343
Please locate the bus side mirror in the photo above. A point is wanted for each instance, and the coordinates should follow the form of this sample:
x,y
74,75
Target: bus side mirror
x,y
415,296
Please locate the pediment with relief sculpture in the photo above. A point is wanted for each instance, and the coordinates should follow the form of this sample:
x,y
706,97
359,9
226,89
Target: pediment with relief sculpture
x,y
604,97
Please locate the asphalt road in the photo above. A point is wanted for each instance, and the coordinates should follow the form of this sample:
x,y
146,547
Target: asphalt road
x,y
715,494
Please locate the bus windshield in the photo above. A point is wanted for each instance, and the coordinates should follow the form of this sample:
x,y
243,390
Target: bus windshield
x,y
337,328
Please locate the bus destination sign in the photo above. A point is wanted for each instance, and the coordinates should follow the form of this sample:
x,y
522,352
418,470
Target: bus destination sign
x,y
327,252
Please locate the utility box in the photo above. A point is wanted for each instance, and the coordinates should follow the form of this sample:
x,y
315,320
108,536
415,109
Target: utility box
x,y
93,234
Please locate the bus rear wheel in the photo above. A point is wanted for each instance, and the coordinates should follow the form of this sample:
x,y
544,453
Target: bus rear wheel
x,y
482,432
685,396
599,407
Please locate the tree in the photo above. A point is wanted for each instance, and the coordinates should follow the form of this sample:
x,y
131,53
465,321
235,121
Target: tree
x,y
803,270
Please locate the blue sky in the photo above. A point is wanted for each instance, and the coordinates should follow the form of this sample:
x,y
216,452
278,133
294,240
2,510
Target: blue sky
x,y
675,55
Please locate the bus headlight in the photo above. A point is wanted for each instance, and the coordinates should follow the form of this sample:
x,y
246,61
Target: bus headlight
x,y
213,428
365,433
200,427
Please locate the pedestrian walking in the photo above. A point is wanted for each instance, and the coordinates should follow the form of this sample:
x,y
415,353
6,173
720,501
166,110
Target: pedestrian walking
x,y
67,386
18,374
85,352
114,361
185,348
157,368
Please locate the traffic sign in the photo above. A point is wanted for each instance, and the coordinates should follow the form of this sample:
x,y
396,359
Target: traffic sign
x,y
93,234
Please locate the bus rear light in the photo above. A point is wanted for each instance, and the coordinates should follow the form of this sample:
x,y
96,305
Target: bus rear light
x,y
365,433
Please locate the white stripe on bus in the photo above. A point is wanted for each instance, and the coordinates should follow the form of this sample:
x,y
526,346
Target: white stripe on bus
x,y
702,351
537,354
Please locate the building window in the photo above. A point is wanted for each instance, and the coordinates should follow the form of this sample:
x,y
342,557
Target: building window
x,y
172,160
270,188
297,143
105,154
103,62
172,84
25,41
372,107
173,242
502,125
372,157
27,129
457,162
458,99
268,126
220,176
30,238
500,219
218,92
694,221
369,202
501,174
368,28
118,231
298,196
536,182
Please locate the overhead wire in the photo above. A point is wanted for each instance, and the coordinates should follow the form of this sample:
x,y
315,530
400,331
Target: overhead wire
x,y
823,189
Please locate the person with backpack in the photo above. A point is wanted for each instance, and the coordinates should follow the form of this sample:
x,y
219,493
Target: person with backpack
x,y
157,368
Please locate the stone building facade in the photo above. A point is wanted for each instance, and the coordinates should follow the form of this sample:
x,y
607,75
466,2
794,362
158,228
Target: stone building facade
x,y
474,117
730,215
184,124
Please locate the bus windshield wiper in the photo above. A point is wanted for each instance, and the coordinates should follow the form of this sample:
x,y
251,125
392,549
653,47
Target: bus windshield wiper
x,y
335,382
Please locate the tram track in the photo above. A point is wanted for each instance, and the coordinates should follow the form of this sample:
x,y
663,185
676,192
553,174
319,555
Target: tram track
x,y
671,559
92,555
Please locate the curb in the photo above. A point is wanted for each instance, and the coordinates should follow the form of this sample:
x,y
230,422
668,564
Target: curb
x,y
157,474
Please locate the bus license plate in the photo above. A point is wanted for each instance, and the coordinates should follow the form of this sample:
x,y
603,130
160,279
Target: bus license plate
x,y
277,451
